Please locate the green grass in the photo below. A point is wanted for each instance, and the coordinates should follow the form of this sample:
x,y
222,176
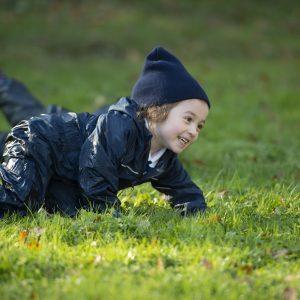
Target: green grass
x,y
246,55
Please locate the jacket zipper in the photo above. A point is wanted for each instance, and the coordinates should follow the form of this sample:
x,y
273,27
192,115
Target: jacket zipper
x,y
137,173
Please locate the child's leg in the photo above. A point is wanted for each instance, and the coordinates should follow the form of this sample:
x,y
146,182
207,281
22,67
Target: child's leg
x,y
63,196
24,178
18,104
16,101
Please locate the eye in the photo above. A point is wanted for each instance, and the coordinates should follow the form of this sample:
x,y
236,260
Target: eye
x,y
200,126
188,119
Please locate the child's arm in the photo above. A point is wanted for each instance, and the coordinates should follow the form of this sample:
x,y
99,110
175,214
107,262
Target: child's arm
x,y
100,158
184,194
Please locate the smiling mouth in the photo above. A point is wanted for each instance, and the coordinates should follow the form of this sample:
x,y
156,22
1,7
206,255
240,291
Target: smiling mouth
x,y
183,140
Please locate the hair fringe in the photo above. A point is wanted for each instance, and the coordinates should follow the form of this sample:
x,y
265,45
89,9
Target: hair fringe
x,y
156,113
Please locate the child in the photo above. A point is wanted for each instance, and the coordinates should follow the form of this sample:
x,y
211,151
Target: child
x,y
69,161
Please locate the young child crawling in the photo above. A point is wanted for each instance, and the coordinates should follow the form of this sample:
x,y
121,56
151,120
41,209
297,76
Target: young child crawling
x,y
69,161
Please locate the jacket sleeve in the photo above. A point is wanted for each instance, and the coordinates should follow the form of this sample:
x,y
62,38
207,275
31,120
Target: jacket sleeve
x,y
183,193
100,157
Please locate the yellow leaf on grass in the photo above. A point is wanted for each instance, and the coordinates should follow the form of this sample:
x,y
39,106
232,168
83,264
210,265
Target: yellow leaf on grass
x,y
23,235
214,219
34,245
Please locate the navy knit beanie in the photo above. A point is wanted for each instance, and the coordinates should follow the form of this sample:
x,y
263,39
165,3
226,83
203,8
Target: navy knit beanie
x,y
163,80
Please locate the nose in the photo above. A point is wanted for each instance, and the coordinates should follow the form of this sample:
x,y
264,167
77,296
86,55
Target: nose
x,y
193,131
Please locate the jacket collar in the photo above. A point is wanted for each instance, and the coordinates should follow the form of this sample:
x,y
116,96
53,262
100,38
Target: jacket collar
x,y
129,107
126,106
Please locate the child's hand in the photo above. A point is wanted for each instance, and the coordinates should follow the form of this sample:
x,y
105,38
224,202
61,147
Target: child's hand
x,y
186,209
116,214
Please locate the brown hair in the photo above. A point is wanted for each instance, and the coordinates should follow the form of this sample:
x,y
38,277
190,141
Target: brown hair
x,y
155,114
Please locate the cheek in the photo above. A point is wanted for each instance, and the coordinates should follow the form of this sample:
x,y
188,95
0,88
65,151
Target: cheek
x,y
171,131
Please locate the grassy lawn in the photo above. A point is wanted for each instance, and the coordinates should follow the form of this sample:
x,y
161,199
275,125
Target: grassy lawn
x,y
247,246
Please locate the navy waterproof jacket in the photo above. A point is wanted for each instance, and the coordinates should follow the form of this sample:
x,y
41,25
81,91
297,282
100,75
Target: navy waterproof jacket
x,y
87,158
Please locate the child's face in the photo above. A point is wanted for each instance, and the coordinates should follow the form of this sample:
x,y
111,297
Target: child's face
x,y
182,126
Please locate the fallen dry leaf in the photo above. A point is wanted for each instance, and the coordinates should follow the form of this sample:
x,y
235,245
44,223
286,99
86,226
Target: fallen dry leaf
x,y
32,295
23,235
290,293
199,162
279,253
160,264
248,269
207,264
222,193
214,219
